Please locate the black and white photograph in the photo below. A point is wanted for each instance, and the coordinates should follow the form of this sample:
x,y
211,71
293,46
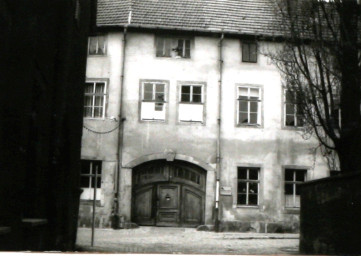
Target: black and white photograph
x,y
212,127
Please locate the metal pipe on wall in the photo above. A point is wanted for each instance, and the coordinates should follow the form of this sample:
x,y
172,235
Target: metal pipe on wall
x,y
218,157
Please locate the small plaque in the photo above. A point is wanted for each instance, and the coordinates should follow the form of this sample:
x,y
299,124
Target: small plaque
x,y
226,191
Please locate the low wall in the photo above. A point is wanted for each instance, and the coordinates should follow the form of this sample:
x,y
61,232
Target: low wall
x,y
330,217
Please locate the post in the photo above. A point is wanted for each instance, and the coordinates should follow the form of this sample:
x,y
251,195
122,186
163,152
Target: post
x,y
94,199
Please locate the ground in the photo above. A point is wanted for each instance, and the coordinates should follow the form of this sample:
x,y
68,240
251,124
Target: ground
x,y
185,241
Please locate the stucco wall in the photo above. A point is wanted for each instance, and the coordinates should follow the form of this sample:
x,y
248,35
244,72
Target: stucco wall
x,y
270,146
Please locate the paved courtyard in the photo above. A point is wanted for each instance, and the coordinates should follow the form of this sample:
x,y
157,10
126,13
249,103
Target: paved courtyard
x,y
185,241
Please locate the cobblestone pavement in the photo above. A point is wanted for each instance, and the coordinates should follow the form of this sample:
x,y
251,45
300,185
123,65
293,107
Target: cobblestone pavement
x,y
185,241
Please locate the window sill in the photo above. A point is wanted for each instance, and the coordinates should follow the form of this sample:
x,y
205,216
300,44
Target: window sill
x,y
95,119
247,206
173,58
249,125
196,123
158,121
290,210
90,202
292,128
97,55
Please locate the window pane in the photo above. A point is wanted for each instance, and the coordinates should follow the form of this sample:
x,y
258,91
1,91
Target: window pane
x,y
99,88
101,45
179,48
254,92
241,199
98,111
253,188
288,175
242,187
300,175
242,173
288,96
168,47
253,52
253,174
252,199
99,100
159,46
92,45
197,98
197,90
159,92
253,118
85,167
243,118
89,87
299,121
290,109
290,120
186,90
158,106
187,53
84,182
243,91
87,112
298,189
243,106
289,189
254,106
245,52
88,101
148,91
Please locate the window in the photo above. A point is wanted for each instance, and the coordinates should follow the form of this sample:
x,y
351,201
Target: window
x,y
293,179
153,100
94,100
97,45
249,52
249,106
191,103
173,47
248,186
90,169
292,109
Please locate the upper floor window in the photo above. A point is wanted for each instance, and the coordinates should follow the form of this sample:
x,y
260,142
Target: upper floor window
x,y
249,105
176,47
153,102
293,112
91,173
191,103
247,186
293,179
97,45
249,52
95,99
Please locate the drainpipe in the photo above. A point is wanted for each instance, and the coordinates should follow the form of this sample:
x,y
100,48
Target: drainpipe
x,y
116,217
218,158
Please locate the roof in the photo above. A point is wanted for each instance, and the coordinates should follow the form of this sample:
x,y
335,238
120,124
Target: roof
x,y
253,17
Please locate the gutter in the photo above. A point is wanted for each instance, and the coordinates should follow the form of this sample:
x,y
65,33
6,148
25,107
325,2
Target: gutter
x,y
219,123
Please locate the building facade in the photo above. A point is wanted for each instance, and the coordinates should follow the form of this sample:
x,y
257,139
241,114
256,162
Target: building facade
x,y
188,123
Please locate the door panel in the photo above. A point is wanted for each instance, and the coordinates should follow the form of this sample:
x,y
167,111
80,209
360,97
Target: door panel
x,y
143,206
168,205
193,203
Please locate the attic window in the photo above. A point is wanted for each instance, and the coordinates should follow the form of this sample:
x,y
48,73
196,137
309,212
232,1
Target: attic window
x,y
175,47
249,52
97,45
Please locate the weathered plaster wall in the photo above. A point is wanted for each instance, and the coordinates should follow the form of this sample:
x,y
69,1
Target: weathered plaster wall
x,y
270,146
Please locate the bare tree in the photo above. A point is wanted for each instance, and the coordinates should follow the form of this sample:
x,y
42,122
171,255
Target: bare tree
x,y
320,64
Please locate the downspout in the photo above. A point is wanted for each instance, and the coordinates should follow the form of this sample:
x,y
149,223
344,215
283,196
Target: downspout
x,y
116,220
218,157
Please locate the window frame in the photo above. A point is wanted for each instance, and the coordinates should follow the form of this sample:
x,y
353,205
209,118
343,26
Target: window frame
x,y
165,102
247,181
93,94
260,108
306,170
173,40
203,86
295,115
91,176
105,48
243,55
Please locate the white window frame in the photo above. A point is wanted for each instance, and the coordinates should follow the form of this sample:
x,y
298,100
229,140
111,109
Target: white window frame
x,y
294,182
185,112
153,102
259,122
93,94
97,45
248,181
88,192
295,115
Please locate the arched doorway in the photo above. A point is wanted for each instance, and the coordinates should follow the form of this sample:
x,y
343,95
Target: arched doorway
x,y
168,194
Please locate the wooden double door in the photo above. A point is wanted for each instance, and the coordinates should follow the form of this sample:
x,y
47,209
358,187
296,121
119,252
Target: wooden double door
x,y
167,194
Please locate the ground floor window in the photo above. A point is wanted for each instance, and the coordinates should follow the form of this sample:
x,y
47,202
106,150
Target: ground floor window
x,y
247,185
293,179
89,170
